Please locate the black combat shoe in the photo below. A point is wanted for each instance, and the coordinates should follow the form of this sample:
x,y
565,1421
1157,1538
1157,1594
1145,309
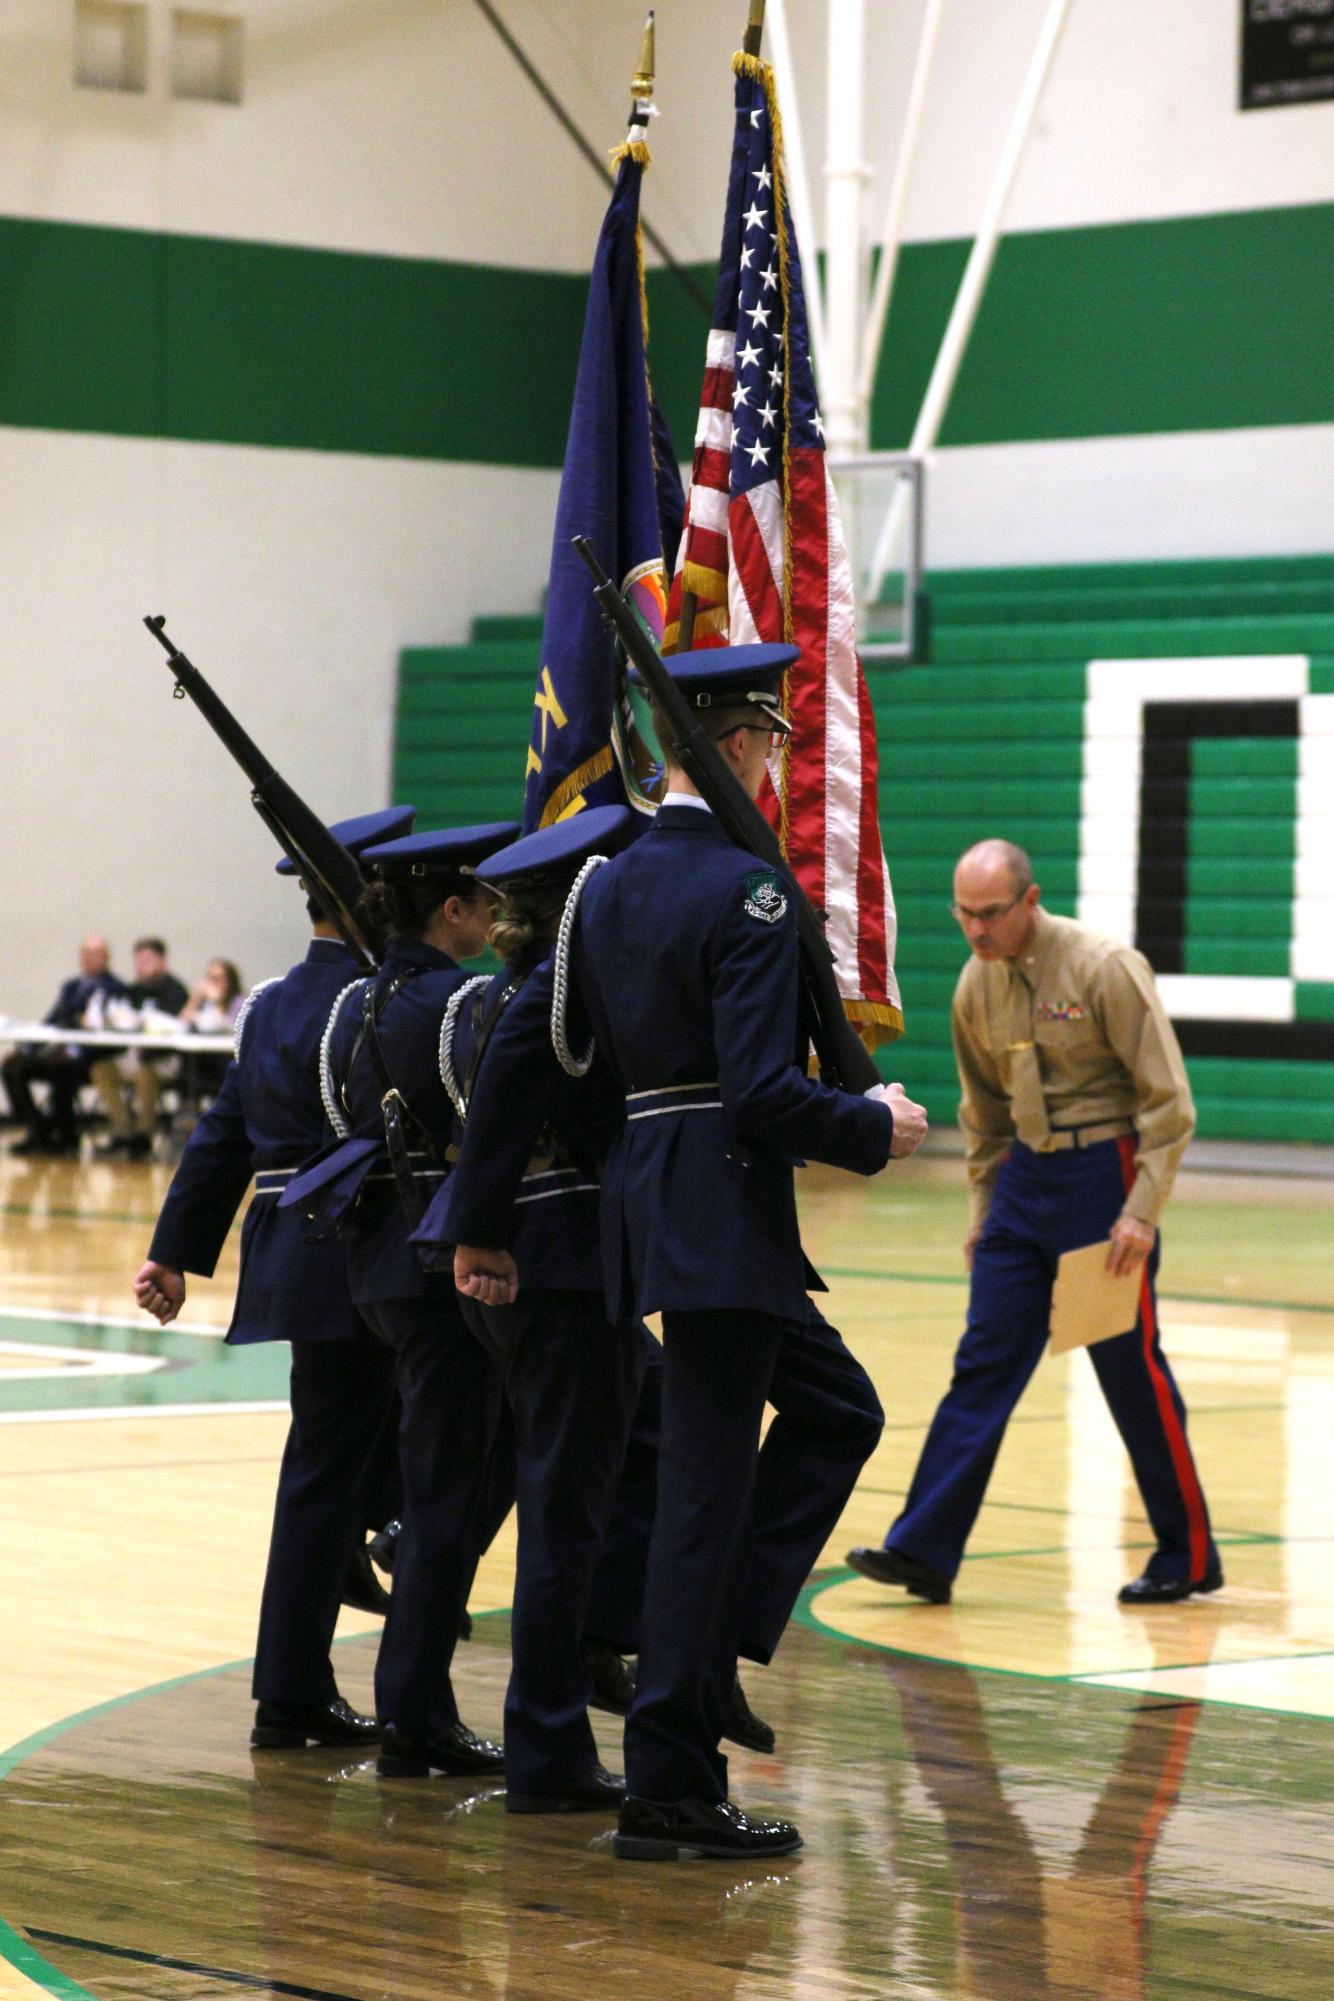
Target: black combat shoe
x,y
362,1589
890,1566
611,1675
596,1792
688,1830
455,1751
743,1726
290,1726
382,1545
1148,1590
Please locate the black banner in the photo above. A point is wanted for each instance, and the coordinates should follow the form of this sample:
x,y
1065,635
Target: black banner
x,y
1287,52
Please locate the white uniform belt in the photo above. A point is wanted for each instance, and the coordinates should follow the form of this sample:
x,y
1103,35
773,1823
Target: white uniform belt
x,y
271,1180
1065,1137
672,1098
551,1181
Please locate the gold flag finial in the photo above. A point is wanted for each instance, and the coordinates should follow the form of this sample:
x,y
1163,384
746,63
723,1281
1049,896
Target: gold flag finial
x,y
754,28
642,85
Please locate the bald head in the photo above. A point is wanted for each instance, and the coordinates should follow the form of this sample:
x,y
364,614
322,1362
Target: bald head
x,y
94,956
995,899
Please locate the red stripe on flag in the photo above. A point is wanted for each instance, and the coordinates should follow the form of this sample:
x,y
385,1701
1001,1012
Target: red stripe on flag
x,y
716,392
751,560
872,944
808,599
712,468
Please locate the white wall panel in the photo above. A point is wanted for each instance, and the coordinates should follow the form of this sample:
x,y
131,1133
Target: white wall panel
x,y
292,579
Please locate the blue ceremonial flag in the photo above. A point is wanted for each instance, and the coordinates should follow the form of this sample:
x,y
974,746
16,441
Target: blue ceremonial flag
x,y
622,489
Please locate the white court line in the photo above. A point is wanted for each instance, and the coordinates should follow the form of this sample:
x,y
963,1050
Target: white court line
x,y
66,1365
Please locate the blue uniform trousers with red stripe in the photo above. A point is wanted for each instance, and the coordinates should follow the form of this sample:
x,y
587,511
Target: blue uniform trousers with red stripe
x,y
1045,1204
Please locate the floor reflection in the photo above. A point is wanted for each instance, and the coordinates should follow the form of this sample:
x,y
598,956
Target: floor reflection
x,y
971,1837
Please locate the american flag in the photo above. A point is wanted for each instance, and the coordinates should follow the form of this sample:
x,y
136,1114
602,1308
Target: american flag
x,y
764,555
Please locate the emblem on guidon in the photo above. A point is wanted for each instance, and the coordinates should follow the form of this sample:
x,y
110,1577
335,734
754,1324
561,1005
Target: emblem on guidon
x,y
765,899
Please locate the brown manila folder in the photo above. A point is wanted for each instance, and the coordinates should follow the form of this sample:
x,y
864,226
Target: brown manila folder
x,y
1088,1304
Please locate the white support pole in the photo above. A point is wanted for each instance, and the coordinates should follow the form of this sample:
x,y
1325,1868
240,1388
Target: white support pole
x,y
968,299
846,174
798,181
891,229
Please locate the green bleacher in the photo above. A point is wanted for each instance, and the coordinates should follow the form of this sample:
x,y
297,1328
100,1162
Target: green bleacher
x,y
986,738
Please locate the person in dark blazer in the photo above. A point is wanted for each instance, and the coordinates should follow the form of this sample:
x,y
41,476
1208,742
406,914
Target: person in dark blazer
x,y
382,1091
266,1119
679,960
64,1071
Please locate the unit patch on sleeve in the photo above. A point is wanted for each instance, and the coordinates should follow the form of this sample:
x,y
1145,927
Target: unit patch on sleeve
x,y
765,898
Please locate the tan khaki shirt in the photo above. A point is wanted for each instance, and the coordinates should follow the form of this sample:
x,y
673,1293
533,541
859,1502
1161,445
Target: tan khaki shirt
x,y
1105,1050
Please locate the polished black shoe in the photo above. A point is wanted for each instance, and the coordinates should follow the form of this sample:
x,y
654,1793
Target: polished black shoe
x,y
743,1726
1148,1590
38,1141
688,1830
290,1726
362,1589
455,1751
382,1546
596,1792
612,1678
890,1566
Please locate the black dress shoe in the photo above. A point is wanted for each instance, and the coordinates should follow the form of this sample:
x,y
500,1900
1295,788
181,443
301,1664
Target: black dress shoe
x,y
611,1675
37,1141
290,1726
743,1726
687,1830
382,1545
596,1792
455,1751
1148,1590
362,1589
890,1566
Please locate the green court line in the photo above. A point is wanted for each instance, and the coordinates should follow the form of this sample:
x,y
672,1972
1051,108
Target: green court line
x,y
1172,1298
804,1614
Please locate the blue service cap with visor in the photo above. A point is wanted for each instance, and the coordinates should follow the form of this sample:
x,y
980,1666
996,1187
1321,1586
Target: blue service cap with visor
x,y
444,848
565,846
733,677
363,831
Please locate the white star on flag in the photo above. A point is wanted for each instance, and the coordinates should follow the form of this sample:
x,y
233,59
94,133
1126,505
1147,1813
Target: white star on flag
x,y
754,217
764,177
748,355
770,278
768,413
755,117
776,377
747,252
758,315
759,454
740,394
818,421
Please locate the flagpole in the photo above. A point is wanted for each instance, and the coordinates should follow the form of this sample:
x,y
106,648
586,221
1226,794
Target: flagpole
x,y
641,86
750,46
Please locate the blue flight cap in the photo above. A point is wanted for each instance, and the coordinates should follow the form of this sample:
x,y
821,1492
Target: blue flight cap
x,y
364,831
459,848
565,846
732,676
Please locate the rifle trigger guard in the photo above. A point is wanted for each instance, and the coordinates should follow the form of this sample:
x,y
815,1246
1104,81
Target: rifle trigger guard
x,y
178,691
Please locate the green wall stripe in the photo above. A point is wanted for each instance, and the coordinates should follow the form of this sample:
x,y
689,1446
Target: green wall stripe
x,y
1203,323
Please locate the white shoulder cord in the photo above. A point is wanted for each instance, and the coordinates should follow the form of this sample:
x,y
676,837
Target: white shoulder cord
x,y
246,1005
575,1066
453,1089
327,1098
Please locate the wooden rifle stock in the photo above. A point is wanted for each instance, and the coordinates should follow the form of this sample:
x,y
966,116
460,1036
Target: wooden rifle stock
x,y
844,1058
320,859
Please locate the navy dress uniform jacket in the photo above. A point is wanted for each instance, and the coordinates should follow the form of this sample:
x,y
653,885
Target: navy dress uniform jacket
x,y
682,951
265,1120
381,1264
544,1206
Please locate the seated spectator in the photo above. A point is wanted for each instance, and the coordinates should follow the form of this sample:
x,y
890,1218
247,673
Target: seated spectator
x,y
128,1084
79,1004
215,1001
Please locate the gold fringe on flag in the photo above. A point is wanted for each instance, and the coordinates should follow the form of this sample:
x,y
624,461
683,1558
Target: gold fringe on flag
x,y
879,1021
568,790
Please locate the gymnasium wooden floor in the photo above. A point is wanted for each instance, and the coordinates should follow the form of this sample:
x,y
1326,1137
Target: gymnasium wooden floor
x,y
1030,1793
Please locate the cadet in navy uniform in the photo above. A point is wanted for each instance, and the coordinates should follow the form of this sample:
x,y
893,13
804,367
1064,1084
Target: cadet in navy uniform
x,y
265,1120
572,1377
384,1097
683,964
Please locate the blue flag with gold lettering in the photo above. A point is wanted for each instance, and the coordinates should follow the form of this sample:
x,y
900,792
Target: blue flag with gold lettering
x,y
622,489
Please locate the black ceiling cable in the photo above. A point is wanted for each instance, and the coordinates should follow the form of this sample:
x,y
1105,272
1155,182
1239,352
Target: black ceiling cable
x,y
590,152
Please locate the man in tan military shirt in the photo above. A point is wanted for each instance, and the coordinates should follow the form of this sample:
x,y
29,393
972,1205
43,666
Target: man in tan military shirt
x,y
1076,1111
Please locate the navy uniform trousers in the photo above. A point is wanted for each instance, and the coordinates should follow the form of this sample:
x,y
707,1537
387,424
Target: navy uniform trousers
x,y
573,1382
739,1526
1045,1204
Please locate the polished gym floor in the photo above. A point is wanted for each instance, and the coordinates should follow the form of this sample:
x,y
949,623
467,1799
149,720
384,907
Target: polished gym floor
x,y
1030,1793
